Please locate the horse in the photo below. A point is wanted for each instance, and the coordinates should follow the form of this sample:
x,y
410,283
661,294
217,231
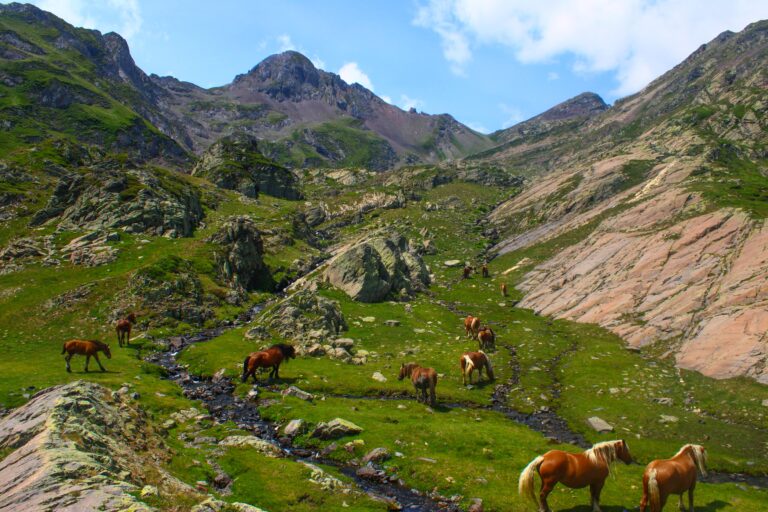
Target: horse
x,y
269,358
487,338
467,270
484,270
423,379
123,328
503,289
471,326
85,348
673,476
471,360
574,470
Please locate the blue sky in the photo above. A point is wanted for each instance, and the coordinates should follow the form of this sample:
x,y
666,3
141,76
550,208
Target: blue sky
x,y
489,63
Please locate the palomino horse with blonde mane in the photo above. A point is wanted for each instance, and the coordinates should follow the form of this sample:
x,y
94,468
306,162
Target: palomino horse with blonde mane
x,y
673,476
423,379
123,328
575,470
471,326
475,360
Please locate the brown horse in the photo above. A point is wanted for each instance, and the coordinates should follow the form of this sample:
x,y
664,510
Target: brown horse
x,y
471,326
475,360
466,272
673,476
484,270
503,289
487,338
269,358
575,470
123,328
85,348
423,379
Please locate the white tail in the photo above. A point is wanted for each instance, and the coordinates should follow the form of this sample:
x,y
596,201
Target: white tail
x,y
653,491
526,482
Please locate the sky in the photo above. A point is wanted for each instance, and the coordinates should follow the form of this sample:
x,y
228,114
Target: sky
x,y
489,63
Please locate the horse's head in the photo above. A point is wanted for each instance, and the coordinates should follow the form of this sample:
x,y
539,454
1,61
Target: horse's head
x,y
107,352
290,352
622,452
131,317
405,371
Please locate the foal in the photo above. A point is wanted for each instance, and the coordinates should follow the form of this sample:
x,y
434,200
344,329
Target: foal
x,y
85,348
123,328
673,476
471,360
487,338
423,379
574,470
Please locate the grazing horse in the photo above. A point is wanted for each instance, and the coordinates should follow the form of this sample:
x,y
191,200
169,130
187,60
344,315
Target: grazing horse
x,y
85,348
423,379
503,289
466,272
471,360
487,338
123,328
484,270
574,470
673,476
471,326
269,358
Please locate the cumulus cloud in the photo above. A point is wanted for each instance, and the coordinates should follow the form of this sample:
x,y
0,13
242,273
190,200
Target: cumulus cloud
x,y
121,16
351,73
513,115
285,43
407,103
637,40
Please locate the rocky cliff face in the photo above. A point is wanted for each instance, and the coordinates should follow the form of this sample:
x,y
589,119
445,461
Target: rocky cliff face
x,y
78,447
663,198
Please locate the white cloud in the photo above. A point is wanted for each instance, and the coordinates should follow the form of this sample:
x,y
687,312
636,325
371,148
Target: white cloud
x,y
285,43
351,73
637,40
513,115
407,103
553,75
478,127
121,16
387,99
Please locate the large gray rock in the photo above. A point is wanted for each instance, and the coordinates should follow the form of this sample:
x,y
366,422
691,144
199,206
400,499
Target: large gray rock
x,y
77,448
335,429
304,313
599,424
236,163
378,268
239,259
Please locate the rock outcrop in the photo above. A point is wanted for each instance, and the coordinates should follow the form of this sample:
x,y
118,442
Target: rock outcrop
x,y
304,317
239,259
235,163
380,267
75,447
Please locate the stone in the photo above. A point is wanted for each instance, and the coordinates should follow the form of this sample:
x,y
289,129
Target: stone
x,y
599,424
378,267
345,343
148,491
302,313
452,263
335,429
765,402
221,480
666,418
392,323
378,377
376,455
262,446
238,258
293,428
475,505
315,350
664,400
368,319
169,424
253,393
298,393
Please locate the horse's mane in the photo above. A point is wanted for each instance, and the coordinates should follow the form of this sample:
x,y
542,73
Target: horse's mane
x,y
99,344
604,452
284,348
699,456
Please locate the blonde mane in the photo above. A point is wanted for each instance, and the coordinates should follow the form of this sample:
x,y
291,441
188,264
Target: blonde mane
x,y
699,456
604,452
469,363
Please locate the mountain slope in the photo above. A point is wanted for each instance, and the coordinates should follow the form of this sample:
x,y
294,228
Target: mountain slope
x,y
657,210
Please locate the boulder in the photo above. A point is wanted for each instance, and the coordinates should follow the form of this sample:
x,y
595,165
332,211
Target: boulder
x,y
380,267
298,393
304,312
452,263
260,445
239,257
378,377
345,343
376,455
335,429
235,163
599,424
293,428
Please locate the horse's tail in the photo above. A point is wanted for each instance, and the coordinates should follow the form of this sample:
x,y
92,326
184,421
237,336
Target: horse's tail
x,y
468,365
525,485
245,368
653,491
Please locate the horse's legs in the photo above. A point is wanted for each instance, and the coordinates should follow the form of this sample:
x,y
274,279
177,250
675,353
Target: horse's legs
x,y
546,488
87,360
67,358
690,498
594,490
277,371
96,356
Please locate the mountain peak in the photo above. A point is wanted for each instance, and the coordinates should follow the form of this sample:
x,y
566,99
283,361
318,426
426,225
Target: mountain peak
x,y
289,67
585,104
